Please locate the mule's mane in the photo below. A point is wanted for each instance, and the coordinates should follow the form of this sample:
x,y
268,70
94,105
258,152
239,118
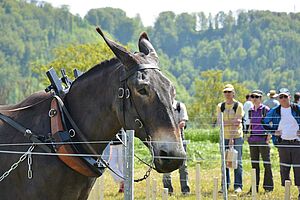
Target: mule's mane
x,y
97,68
41,95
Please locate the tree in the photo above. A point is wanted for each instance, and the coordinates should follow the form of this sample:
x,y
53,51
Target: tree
x,y
208,93
81,57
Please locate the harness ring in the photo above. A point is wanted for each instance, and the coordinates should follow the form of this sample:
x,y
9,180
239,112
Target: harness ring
x,y
139,122
121,93
127,93
72,133
52,112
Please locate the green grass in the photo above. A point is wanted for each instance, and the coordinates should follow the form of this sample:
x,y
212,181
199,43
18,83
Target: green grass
x,y
200,150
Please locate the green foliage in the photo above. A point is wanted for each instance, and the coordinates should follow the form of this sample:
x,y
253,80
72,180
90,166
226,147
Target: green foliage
x,y
207,94
202,135
28,33
116,22
199,53
81,57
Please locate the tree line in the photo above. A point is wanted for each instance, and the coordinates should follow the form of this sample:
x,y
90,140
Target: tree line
x,y
254,49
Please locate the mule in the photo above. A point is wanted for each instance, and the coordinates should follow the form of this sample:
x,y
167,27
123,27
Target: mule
x,y
96,107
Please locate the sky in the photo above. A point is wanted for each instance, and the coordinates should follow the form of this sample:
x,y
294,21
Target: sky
x,y
149,10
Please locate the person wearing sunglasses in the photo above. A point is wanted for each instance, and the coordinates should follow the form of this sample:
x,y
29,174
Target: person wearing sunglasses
x,y
247,106
284,122
259,141
233,131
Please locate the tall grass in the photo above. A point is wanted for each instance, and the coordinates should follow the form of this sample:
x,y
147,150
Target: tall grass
x,y
210,163
199,135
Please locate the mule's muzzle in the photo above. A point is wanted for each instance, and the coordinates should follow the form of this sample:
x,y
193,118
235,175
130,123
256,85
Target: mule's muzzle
x,y
166,162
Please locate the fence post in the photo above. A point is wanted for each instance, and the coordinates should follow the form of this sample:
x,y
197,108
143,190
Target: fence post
x,y
165,194
222,148
101,187
198,188
154,191
215,192
148,188
129,165
253,183
287,193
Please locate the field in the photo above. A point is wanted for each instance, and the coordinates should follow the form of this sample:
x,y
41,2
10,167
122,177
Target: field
x,y
201,150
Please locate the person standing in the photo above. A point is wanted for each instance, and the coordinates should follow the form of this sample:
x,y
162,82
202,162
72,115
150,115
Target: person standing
x,y
233,132
297,98
181,117
284,121
271,102
116,160
259,141
247,106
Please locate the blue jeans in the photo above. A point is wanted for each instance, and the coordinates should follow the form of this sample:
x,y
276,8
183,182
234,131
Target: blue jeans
x,y
238,173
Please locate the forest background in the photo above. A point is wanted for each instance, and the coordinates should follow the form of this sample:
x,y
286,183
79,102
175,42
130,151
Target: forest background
x,y
199,53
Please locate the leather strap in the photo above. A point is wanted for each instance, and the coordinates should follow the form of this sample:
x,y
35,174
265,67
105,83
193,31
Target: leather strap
x,y
73,162
27,132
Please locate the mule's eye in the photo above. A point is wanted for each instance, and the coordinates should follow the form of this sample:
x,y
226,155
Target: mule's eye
x,y
143,91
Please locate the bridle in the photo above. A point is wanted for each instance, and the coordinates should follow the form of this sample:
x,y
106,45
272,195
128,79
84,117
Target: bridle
x,y
124,95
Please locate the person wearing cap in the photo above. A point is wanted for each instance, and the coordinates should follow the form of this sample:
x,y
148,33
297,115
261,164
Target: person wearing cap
x,y
271,102
247,106
259,141
297,98
284,121
233,132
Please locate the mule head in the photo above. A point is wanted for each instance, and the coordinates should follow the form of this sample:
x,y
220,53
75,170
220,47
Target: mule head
x,y
149,109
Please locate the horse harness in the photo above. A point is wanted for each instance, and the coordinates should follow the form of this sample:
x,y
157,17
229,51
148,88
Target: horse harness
x,y
61,140
63,129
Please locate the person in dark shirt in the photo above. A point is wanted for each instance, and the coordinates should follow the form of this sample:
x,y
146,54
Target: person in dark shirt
x,y
259,141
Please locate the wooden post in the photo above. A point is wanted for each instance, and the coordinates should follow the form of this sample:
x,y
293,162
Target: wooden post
x,y
287,193
154,189
215,192
165,194
101,187
148,188
253,183
198,189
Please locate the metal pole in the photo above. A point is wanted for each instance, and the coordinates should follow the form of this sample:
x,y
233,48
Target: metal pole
x,y
129,166
222,147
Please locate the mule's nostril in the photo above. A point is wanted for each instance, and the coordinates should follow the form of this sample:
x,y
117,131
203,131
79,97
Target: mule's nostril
x,y
164,156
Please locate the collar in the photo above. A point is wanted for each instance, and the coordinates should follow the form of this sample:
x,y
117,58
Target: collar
x,y
259,108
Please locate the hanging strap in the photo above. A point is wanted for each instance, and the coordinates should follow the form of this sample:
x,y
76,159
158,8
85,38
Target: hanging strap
x,y
27,132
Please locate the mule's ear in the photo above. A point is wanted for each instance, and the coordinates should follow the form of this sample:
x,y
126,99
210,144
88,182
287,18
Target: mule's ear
x,y
145,46
126,57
